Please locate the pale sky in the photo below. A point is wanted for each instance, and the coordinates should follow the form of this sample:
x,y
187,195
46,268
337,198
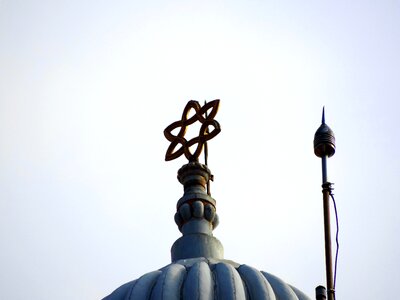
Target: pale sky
x,y
87,88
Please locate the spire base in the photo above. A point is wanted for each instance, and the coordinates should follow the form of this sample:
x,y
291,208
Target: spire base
x,y
197,245
196,216
195,205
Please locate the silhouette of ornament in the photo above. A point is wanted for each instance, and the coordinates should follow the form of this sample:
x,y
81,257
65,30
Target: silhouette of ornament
x,y
202,115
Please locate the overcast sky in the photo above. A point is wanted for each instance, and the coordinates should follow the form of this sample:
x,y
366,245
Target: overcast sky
x,y
87,88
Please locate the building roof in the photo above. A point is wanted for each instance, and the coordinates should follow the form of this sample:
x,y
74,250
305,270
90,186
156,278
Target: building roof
x,y
198,269
201,278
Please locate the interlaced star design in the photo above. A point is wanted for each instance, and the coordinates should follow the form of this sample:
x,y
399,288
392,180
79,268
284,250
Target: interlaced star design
x,y
205,118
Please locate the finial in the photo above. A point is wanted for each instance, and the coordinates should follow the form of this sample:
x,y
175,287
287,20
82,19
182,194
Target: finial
x,y
206,120
196,214
324,139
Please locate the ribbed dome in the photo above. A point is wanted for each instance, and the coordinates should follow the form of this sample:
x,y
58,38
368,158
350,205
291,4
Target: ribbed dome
x,y
201,279
198,270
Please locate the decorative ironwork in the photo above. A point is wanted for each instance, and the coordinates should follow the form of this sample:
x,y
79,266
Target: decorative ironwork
x,y
206,119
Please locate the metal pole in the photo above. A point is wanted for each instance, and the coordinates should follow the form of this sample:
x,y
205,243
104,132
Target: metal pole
x,y
326,188
324,147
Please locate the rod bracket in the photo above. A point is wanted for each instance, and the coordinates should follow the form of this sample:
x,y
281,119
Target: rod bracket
x,y
327,186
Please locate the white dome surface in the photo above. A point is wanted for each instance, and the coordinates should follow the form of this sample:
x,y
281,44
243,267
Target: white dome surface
x,y
206,279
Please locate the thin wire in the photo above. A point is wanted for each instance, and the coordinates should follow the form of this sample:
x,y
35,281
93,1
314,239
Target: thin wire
x,y
337,238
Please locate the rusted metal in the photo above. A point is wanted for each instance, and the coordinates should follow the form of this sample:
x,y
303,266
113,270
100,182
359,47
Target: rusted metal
x,y
326,189
206,119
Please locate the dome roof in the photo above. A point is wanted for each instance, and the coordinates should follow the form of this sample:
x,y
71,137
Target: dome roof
x,y
198,269
201,278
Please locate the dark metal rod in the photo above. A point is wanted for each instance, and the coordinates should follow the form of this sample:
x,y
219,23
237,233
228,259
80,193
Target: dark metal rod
x,y
326,186
206,163
324,160
206,155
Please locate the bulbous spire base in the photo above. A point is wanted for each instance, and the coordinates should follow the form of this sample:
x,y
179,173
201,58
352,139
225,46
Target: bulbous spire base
x,y
196,216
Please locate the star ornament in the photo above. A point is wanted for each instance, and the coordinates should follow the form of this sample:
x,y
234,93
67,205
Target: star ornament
x,y
205,115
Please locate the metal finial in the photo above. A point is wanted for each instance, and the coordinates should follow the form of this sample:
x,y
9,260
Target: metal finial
x,y
324,139
206,120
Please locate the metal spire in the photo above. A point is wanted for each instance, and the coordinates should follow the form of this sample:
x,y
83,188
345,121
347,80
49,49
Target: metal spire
x,y
324,147
324,139
196,214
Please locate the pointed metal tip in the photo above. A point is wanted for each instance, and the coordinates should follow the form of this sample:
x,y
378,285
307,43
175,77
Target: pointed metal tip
x,y
323,115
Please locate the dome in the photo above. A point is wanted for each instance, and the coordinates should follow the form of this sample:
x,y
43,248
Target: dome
x,y
201,278
198,270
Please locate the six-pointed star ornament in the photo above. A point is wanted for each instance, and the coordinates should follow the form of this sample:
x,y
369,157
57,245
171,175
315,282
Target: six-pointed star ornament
x,y
206,119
